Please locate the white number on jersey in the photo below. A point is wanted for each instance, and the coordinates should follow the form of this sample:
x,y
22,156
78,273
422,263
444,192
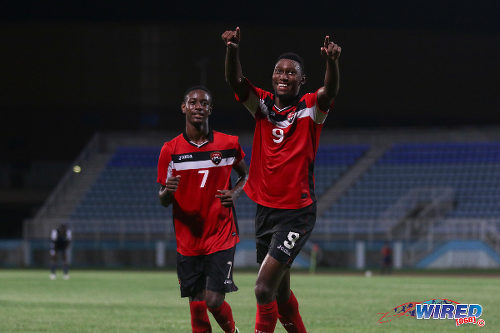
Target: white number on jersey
x,y
292,238
279,134
205,176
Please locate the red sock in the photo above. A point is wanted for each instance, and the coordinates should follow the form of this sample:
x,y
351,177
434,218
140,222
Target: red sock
x,y
199,317
289,316
224,317
267,316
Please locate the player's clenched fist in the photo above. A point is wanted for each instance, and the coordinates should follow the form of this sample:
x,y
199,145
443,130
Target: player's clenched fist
x,y
226,197
170,186
330,49
231,37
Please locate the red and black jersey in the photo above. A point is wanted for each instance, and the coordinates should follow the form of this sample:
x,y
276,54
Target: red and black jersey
x,y
202,224
284,148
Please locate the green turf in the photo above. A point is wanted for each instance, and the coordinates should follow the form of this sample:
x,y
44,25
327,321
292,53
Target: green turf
x,y
135,301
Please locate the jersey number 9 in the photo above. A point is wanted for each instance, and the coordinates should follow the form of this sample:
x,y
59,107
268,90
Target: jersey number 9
x,y
278,134
292,238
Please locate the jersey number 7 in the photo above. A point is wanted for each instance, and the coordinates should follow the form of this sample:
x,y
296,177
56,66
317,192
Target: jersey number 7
x,y
205,176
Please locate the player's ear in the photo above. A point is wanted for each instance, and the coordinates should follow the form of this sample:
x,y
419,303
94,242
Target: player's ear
x,y
303,79
183,107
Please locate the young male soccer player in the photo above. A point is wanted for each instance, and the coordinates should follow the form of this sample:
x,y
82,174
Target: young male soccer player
x,y
281,179
194,171
60,239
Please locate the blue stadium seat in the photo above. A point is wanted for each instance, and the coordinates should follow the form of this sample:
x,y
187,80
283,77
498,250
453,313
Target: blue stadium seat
x,y
471,169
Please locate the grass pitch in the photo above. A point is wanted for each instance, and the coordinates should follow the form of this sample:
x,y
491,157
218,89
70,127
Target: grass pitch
x,y
145,301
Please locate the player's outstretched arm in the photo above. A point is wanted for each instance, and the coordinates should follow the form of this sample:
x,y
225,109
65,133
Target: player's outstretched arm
x,y
331,53
233,72
228,197
166,193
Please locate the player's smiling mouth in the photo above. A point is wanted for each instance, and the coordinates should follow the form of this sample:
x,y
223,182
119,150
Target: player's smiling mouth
x,y
283,86
199,115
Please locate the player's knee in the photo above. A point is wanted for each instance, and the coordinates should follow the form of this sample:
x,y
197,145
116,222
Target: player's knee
x,y
214,300
263,293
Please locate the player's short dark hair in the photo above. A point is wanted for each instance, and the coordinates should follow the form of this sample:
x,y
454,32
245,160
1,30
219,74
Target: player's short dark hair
x,y
198,87
293,56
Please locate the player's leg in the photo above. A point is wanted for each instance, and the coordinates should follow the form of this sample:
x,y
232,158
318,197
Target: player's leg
x,y
288,307
192,284
65,266
270,275
295,227
53,262
219,272
221,310
200,323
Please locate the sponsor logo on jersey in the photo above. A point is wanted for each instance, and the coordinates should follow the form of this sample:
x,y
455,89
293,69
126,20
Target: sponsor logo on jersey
x,y
282,248
216,157
185,157
291,116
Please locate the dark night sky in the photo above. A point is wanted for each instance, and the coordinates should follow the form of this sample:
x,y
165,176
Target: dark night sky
x,y
445,52
36,33
481,15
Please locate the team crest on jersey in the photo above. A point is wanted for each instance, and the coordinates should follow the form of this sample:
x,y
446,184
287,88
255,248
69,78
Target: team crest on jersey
x,y
291,116
216,157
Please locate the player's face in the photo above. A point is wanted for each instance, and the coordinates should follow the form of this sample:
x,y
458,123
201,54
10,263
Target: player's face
x,y
287,78
197,106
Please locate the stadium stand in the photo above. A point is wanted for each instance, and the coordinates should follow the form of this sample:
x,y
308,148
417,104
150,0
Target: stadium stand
x,y
471,170
419,187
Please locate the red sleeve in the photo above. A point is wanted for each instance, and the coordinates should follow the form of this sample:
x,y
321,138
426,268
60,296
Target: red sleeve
x,y
315,96
240,154
256,98
259,93
163,163
317,115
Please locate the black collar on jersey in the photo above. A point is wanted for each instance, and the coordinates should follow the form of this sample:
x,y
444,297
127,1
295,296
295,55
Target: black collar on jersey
x,y
295,101
276,116
210,138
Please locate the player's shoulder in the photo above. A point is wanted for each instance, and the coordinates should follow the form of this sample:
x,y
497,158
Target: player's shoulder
x,y
175,139
263,93
310,94
172,142
225,137
309,98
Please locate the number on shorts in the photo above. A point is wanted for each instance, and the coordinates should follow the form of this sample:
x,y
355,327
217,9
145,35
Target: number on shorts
x,y
292,238
279,134
205,176
230,263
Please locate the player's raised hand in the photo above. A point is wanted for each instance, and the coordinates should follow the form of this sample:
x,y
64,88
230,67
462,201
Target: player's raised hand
x,y
226,197
231,38
330,50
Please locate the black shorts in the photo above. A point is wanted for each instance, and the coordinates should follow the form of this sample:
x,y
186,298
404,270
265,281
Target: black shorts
x,y
283,232
212,272
58,247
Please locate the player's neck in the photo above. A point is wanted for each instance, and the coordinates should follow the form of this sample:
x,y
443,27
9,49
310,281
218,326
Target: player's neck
x,y
197,133
283,102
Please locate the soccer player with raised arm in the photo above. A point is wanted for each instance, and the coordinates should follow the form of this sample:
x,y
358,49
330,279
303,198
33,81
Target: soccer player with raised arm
x,y
281,181
194,170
